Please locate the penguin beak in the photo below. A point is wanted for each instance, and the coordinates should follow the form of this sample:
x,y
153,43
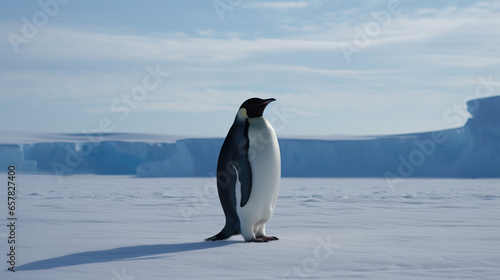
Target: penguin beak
x,y
266,102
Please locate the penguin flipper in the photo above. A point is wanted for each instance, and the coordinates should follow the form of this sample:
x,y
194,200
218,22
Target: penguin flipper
x,y
245,179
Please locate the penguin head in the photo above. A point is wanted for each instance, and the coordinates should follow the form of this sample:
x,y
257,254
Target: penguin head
x,y
254,107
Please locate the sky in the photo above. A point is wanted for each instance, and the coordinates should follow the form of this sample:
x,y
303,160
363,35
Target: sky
x,y
185,67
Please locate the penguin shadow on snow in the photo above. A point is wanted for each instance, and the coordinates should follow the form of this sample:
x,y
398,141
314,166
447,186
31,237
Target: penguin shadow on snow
x,y
121,254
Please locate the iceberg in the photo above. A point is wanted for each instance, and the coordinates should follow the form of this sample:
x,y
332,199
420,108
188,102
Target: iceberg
x,y
471,151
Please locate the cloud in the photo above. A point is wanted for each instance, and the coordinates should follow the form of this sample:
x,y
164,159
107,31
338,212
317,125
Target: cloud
x,y
421,26
206,32
174,106
50,84
57,44
451,37
285,5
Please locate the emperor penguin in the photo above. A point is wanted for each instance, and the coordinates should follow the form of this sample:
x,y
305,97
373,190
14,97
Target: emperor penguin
x,y
248,174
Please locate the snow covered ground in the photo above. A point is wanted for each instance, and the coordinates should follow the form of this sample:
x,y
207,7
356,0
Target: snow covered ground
x,y
122,227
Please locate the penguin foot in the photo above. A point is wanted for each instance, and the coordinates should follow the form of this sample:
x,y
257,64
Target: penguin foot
x,y
268,238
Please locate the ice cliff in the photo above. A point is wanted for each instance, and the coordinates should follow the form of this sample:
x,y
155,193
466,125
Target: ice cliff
x,y
467,152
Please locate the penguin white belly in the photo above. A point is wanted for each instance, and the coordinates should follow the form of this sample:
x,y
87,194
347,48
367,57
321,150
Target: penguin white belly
x,y
264,157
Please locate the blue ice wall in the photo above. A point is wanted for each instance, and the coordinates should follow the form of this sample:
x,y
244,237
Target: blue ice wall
x,y
470,151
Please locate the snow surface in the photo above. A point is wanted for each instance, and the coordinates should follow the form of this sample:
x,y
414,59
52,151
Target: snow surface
x,y
124,227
